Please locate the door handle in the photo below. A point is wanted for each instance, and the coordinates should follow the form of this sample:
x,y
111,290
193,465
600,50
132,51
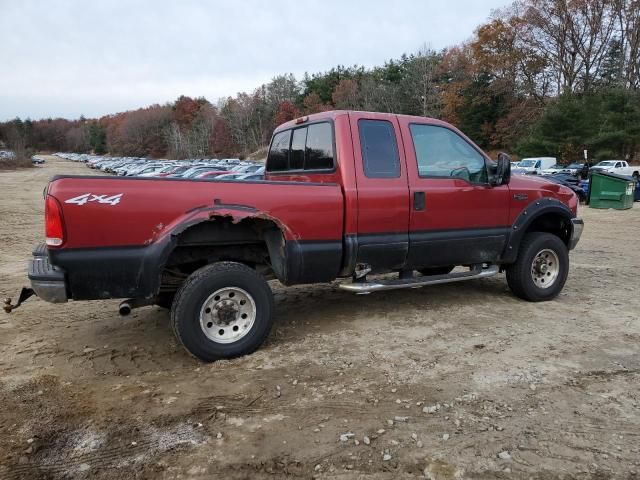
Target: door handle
x,y
418,201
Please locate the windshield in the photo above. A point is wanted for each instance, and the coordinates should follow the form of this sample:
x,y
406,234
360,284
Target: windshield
x,y
527,163
574,165
606,163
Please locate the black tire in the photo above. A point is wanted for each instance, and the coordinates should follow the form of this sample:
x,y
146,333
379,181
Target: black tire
x,y
165,300
436,270
520,277
199,288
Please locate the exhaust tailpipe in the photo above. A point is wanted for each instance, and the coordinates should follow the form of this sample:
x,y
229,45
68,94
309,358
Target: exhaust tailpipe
x,y
124,309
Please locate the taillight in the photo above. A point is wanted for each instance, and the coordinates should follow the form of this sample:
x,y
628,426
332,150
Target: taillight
x,y
53,228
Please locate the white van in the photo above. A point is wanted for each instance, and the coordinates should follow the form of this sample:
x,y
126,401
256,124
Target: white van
x,y
535,165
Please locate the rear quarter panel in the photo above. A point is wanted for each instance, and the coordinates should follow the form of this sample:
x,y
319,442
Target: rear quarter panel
x,y
150,208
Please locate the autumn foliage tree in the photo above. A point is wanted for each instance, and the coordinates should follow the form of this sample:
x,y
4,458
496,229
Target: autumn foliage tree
x,y
286,111
346,96
313,104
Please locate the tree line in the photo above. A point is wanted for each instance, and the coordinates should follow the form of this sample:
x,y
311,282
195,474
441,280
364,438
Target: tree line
x,y
541,77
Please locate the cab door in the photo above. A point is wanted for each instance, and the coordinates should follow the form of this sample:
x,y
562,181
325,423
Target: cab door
x,y
383,192
456,217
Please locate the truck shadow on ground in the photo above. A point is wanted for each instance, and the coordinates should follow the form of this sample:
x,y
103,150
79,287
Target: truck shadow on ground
x,y
312,309
144,341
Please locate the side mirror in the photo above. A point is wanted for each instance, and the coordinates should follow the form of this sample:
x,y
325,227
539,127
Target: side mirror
x,y
501,171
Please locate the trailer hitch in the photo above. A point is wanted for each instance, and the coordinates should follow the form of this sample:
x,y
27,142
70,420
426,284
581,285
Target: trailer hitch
x,y
25,293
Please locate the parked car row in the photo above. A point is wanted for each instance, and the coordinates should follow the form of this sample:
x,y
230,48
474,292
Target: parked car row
x,y
549,166
9,155
571,169
201,168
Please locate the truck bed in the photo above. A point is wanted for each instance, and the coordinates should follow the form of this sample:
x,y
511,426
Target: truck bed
x,y
126,228
150,208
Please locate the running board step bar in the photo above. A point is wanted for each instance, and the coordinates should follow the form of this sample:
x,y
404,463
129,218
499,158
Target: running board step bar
x,y
419,281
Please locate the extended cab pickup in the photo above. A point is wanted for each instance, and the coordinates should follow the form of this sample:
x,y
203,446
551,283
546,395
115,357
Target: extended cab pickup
x,y
346,194
619,167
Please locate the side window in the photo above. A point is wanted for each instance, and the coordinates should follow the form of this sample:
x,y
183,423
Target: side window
x,y
278,159
441,152
319,147
379,149
618,165
537,164
298,142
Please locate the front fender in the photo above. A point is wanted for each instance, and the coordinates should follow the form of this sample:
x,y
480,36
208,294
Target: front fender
x,y
533,211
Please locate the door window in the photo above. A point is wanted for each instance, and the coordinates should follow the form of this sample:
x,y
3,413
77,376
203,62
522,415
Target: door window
x,y
379,149
441,152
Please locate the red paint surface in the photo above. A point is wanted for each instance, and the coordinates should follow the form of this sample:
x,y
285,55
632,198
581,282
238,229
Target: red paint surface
x,y
151,208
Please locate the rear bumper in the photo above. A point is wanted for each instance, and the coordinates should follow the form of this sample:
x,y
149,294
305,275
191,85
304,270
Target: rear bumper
x,y
576,231
47,281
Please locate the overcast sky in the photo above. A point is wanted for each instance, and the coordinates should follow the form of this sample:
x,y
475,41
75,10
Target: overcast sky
x,y
67,58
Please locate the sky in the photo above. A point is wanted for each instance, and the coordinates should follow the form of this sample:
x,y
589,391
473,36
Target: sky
x,y
66,58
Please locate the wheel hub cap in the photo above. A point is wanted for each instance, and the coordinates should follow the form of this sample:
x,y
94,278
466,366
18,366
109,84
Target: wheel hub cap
x,y
226,312
227,315
545,268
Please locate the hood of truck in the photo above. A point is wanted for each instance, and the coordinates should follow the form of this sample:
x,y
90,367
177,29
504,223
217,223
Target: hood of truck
x,y
528,188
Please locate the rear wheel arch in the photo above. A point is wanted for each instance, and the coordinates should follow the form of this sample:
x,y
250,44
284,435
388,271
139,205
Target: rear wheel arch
x,y
251,240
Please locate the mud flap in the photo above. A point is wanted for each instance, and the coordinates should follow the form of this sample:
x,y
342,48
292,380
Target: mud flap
x,y
25,293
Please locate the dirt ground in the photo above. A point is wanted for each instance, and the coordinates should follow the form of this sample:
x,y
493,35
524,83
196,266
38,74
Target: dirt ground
x,y
453,381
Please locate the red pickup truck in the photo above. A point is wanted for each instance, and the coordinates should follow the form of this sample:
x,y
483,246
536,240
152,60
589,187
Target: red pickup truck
x,y
346,195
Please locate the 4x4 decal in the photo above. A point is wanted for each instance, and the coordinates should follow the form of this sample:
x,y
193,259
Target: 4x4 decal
x,y
91,197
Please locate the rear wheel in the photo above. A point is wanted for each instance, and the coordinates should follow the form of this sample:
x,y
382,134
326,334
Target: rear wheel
x,y
541,268
436,270
223,310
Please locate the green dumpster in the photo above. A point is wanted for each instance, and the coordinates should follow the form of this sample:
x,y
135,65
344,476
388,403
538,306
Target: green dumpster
x,y
608,190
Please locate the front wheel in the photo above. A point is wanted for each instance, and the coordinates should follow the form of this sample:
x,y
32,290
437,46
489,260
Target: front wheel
x,y
223,310
541,268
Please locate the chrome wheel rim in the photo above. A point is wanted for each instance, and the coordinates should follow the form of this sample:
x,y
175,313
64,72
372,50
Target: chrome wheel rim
x,y
227,315
545,268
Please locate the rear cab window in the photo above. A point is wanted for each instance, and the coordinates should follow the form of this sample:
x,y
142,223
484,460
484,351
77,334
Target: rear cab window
x,y
278,159
308,148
